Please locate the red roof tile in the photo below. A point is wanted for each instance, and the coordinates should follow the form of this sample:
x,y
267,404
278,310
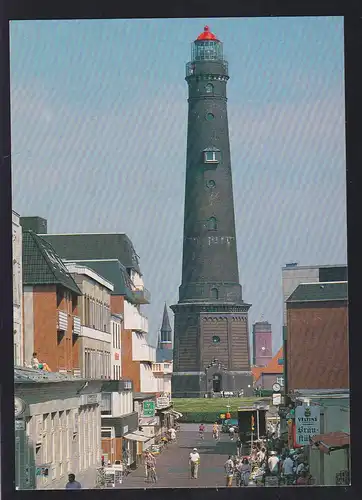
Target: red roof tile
x,y
272,368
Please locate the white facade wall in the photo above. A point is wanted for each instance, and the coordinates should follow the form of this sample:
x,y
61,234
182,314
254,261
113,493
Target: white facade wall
x,y
122,403
147,378
294,276
18,291
163,376
133,319
141,350
116,354
65,437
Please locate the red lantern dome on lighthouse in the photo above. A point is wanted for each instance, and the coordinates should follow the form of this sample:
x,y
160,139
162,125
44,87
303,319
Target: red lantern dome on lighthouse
x,y
207,35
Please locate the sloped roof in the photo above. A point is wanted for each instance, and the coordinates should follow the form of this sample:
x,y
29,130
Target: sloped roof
x,y
331,441
319,292
112,270
272,368
43,266
165,327
95,246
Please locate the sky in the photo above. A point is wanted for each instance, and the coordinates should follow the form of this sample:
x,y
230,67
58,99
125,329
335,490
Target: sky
x,y
99,124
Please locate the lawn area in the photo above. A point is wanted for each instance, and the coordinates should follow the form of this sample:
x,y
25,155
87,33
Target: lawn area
x,y
184,405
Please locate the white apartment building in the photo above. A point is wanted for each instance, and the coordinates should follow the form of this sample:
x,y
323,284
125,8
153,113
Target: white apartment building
x,y
94,310
163,375
116,354
119,422
57,429
142,351
18,291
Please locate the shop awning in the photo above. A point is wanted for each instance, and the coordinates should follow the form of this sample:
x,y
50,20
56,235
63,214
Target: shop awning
x,y
176,413
331,441
132,436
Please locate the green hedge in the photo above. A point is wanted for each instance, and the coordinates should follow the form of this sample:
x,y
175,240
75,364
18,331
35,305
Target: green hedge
x,y
203,417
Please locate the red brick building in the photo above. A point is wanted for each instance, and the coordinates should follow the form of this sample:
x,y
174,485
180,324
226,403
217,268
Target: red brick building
x,y
317,353
51,324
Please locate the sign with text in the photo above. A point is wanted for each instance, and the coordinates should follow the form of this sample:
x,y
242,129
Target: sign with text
x,y
162,402
277,399
148,408
307,422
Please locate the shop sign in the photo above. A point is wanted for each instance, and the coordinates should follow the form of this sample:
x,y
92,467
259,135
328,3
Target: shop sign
x,y
116,356
307,421
149,408
162,402
222,416
277,399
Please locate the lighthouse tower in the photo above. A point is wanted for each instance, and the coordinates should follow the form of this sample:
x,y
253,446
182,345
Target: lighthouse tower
x,y
211,340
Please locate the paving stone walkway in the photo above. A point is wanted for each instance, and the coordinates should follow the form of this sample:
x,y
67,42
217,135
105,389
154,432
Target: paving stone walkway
x,y
172,465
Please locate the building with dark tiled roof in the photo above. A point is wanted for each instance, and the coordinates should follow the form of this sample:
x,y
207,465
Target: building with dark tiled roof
x,y
316,354
50,307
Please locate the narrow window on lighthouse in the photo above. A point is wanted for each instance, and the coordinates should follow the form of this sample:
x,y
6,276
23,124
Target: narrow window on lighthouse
x,y
215,294
212,224
210,157
209,88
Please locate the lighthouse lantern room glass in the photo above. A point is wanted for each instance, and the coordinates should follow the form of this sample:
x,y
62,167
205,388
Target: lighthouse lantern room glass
x,y
207,47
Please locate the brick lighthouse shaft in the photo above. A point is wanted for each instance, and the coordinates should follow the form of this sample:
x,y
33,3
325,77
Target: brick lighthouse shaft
x,y
211,319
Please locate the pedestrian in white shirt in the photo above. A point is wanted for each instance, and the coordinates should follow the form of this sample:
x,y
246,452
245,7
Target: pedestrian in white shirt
x,y
288,466
273,463
194,460
232,433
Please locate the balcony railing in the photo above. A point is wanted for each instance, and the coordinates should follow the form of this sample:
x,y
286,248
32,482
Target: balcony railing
x,y
142,295
136,322
62,322
76,325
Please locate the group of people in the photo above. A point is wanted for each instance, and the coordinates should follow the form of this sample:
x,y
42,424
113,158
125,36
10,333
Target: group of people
x,y
215,431
239,468
286,464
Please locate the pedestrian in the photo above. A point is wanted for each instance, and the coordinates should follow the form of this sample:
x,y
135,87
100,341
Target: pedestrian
x,y
261,456
72,484
238,471
239,446
288,469
229,471
102,460
231,432
151,467
194,460
273,463
173,435
245,471
215,431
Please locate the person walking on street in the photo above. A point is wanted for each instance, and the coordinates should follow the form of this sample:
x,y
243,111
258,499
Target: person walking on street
x,y
273,463
229,471
232,433
288,469
194,460
201,431
215,431
172,433
245,471
151,468
72,483
239,446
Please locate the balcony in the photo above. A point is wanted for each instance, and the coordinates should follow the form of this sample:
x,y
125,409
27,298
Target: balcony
x,y
62,321
141,351
136,322
76,325
141,295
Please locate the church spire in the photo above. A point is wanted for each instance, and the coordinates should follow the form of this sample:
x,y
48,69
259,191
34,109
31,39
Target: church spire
x,y
166,331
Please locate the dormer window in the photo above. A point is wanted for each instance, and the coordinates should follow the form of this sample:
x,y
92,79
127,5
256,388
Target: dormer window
x,y
211,155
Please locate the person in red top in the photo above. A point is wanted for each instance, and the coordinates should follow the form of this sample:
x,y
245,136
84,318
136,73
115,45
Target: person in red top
x,y
201,431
